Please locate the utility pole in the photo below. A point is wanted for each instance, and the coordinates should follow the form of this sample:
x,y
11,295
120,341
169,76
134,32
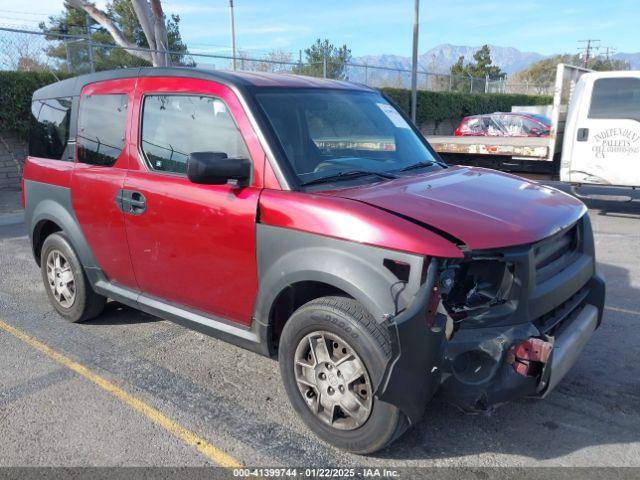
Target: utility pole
x,y
63,29
588,48
414,61
609,52
233,35
92,67
324,60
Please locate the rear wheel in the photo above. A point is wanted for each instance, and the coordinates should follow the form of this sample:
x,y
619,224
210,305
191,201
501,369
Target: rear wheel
x,y
332,353
66,284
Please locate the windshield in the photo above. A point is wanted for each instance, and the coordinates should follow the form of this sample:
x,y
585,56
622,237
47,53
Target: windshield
x,y
541,119
328,132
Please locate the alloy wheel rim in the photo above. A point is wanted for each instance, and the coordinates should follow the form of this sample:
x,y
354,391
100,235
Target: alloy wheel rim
x,y
61,280
333,380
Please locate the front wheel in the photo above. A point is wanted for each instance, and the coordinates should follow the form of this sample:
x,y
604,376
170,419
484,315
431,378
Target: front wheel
x,y
332,353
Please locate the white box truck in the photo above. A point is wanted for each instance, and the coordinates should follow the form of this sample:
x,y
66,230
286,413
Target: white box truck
x,y
594,137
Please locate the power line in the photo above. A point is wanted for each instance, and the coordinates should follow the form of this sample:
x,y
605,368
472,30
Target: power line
x,y
609,52
588,48
27,20
28,13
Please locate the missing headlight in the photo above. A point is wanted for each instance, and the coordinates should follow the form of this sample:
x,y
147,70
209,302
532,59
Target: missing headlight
x,y
470,288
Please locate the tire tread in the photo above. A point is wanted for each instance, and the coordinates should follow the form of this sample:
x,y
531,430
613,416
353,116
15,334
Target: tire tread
x,y
356,311
89,304
378,337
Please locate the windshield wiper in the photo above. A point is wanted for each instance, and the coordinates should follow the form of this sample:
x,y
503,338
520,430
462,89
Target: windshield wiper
x,y
348,174
416,165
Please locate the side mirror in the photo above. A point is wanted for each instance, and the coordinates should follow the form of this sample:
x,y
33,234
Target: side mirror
x,y
215,168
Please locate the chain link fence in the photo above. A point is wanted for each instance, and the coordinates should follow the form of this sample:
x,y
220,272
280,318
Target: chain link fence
x,y
27,50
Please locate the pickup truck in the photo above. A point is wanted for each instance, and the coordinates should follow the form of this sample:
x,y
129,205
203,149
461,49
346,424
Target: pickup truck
x,y
594,138
308,220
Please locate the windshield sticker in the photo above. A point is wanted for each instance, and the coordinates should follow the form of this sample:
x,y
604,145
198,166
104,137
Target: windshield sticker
x,y
393,115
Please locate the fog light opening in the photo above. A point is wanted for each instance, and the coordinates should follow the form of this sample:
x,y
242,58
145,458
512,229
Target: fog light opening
x,y
474,366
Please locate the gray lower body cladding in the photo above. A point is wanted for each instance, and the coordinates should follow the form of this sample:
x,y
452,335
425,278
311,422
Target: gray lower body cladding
x,y
52,203
286,257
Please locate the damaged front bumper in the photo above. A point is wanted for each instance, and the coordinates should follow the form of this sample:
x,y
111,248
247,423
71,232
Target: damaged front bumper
x,y
522,346
480,371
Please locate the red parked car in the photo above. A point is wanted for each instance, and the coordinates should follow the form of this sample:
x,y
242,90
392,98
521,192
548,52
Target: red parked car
x,y
504,124
308,220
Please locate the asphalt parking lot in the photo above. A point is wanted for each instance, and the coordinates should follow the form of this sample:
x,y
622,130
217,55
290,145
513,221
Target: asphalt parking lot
x,y
158,394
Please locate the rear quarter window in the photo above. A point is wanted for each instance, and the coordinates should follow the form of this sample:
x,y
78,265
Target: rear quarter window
x,y
101,127
616,98
49,128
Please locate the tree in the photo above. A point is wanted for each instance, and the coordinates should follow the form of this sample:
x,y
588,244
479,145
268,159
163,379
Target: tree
x,y
603,64
481,68
323,54
541,75
274,61
119,25
24,53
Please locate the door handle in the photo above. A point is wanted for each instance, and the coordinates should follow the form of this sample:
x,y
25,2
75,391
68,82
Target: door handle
x,y
138,203
583,135
130,201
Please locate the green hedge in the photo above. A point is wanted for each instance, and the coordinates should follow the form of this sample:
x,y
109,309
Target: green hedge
x,y
439,106
16,89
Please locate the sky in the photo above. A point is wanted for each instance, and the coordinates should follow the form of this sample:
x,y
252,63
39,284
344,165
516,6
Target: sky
x,y
374,27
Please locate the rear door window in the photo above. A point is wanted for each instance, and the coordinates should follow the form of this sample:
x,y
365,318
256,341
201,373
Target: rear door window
x,y
616,98
174,126
49,128
101,128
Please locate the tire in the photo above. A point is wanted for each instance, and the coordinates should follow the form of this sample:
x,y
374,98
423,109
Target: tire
x,y
346,330
78,302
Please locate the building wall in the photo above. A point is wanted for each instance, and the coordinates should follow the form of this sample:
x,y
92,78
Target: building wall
x,y
13,151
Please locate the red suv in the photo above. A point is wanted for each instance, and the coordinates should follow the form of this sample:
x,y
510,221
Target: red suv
x,y
308,220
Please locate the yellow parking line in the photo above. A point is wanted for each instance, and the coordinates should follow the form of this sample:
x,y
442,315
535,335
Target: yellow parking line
x,y
188,437
622,310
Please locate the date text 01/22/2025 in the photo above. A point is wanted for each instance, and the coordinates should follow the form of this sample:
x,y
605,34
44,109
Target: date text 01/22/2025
x,y
316,472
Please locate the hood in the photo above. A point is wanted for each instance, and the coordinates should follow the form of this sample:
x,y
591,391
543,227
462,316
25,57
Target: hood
x,y
481,208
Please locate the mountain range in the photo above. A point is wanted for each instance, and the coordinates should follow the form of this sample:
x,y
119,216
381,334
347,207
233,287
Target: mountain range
x,y
440,58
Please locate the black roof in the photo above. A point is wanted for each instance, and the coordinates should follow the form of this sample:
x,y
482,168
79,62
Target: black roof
x,y
71,87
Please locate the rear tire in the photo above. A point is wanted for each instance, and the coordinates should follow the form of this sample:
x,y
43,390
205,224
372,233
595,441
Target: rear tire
x,y
332,355
67,285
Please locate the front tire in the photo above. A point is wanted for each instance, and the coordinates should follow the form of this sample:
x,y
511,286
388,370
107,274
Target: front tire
x,y
332,355
66,283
